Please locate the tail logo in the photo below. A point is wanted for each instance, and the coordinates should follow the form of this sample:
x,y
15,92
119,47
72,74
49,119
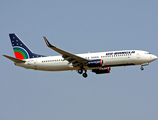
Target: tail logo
x,y
20,53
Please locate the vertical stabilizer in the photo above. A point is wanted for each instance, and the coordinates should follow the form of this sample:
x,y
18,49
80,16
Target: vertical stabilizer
x,y
21,51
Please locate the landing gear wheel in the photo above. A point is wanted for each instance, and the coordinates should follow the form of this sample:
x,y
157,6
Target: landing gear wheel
x,y
85,75
142,68
80,71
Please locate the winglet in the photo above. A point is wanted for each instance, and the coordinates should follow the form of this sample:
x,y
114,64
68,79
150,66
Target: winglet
x,y
47,42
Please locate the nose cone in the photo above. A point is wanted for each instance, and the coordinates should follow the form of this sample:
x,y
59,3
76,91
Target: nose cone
x,y
154,57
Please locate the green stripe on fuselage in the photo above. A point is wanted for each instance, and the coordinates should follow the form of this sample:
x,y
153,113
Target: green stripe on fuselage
x,y
20,51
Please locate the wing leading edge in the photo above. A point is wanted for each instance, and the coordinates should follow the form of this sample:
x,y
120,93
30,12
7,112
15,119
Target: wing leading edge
x,y
71,58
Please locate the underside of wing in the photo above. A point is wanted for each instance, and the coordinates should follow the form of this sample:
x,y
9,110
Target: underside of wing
x,y
71,58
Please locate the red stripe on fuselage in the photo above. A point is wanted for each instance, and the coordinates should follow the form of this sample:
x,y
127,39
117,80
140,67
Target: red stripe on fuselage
x,y
19,55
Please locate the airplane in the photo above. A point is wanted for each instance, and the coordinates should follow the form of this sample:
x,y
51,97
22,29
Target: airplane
x,y
99,62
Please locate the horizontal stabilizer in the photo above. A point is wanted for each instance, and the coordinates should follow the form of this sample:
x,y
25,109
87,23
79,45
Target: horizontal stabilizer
x,y
14,59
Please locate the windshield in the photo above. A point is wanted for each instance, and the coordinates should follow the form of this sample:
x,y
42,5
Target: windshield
x,y
147,53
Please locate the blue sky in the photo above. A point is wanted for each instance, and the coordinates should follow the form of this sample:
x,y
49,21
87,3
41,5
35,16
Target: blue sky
x,y
79,27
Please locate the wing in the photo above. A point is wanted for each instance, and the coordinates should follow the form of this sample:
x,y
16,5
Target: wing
x,y
14,59
71,58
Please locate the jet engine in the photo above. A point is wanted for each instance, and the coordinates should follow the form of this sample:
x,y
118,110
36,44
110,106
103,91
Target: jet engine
x,y
102,70
95,63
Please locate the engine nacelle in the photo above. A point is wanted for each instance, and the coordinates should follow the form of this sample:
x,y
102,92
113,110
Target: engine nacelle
x,y
95,63
102,70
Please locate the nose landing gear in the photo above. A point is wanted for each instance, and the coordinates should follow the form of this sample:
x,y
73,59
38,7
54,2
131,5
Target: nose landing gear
x,y
141,68
145,64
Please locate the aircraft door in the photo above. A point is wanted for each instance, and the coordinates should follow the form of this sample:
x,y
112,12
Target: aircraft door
x,y
138,56
35,64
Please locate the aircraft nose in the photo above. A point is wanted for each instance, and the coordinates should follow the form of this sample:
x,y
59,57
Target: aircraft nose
x,y
154,57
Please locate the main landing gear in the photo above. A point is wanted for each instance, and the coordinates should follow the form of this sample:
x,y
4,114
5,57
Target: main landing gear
x,y
80,71
141,68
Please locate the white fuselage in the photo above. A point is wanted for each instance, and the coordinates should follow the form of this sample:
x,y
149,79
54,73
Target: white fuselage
x,y
110,59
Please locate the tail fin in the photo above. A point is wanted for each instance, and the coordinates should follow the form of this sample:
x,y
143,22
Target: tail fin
x,y
21,51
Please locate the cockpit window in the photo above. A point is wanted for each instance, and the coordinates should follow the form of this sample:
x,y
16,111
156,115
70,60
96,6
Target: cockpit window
x,y
147,53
